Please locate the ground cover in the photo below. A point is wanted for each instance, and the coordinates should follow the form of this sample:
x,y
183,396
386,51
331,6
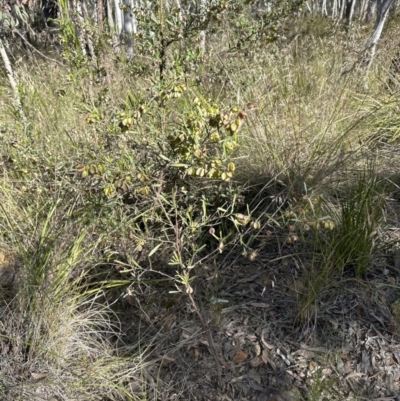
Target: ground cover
x,y
228,232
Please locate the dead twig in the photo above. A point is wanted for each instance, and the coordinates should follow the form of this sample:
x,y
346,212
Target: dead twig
x,y
36,50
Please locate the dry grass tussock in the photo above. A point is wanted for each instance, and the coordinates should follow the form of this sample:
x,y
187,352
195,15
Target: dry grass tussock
x,y
57,341
313,124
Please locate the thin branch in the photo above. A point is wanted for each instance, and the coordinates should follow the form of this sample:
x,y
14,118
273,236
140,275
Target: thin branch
x,y
36,50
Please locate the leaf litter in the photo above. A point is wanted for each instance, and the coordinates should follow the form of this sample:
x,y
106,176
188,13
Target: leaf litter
x,y
347,350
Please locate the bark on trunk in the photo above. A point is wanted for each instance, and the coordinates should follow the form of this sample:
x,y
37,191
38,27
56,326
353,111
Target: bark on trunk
x,y
363,10
370,10
118,17
87,35
350,11
79,27
99,13
111,25
324,10
118,25
382,9
334,9
130,26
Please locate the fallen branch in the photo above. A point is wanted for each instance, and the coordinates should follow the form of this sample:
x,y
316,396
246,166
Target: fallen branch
x,y
36,50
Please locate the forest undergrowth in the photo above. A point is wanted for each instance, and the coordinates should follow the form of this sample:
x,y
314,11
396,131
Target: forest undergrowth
x,y
123,183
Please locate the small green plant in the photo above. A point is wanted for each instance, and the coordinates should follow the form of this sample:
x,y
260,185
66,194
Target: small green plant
x,y
339,238
356,237
320,387
72,48
205,142
200,143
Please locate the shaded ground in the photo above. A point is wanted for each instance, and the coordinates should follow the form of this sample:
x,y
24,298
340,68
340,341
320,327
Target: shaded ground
x,y
246,335
347,348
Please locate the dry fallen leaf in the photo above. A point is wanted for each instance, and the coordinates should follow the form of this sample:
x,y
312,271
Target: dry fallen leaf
x,y
256,362
299,286
196,353
352,375
264,356
166,360
239,357
38,376
312,365
129,299
266,345
257,349
326,371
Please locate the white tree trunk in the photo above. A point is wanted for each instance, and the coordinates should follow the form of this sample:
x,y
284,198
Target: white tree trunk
x,y
370,10
350,11
13,83
130,26
111,26
342,9
363,9
118,17
79,27
382,9
334,9
324,10
202,36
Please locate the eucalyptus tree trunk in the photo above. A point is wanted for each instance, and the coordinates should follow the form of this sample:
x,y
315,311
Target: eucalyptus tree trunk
x,y
324,10
111,25
130,26
110,18
118,17
363,9
350,11
335,9
202,36
118,27
12,81
382,9
79,26
99,13
89,41
342,9
371,8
